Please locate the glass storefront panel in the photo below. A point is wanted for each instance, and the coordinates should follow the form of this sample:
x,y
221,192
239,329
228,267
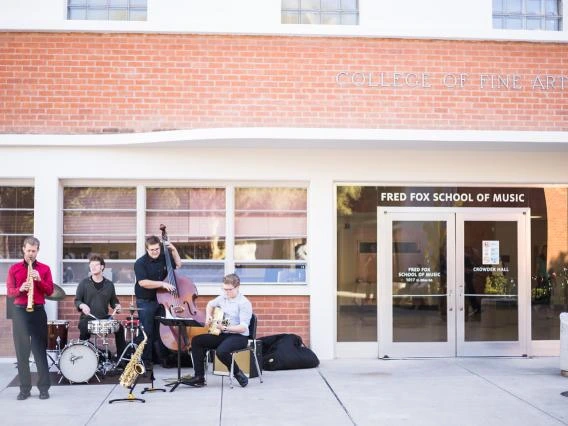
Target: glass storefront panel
x,y
356,265
356,270
419,281
491,286
549,265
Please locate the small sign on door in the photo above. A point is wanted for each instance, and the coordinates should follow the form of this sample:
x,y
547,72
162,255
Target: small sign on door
x,y
490,252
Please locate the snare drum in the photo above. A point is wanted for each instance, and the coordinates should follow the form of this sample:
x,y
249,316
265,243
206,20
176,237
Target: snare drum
x,y
79,361
57,334
104,327
134,323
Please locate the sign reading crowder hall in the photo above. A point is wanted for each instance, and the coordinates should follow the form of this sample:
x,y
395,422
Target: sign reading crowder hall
x,y
423,80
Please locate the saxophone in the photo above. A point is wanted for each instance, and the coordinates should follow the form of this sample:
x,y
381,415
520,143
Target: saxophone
x,y
135,367
30,281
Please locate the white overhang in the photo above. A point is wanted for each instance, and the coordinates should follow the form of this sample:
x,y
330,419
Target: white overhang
x,y
340,138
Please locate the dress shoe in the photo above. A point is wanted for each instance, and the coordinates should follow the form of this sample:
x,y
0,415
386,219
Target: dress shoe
x,y
23,395
196,382
241,378
43,394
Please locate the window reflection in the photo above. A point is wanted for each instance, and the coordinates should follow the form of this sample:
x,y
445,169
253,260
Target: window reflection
x,y
490,285
16,220
549,266
419,281
356,268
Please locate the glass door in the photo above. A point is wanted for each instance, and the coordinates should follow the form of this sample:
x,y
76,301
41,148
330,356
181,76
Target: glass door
x,y
453,282
416,284
492,282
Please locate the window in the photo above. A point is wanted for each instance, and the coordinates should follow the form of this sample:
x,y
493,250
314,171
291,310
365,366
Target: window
x,y
324,12
16,223
195,223
258,232
107,10
270,234
527,15
99,220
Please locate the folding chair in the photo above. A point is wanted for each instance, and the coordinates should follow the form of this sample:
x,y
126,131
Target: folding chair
x,y
251,348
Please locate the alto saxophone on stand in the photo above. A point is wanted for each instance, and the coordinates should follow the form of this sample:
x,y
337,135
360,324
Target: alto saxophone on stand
x,y
30,281
133,369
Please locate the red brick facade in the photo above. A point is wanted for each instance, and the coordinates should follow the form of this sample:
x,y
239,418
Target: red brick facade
x,y
97,83
276,314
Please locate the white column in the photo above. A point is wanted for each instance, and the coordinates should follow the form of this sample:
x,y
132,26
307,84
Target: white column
x,y
141,222
322,266
47,227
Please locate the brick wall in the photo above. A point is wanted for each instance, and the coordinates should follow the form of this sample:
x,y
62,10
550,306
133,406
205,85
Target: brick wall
x,y
276,314
95,83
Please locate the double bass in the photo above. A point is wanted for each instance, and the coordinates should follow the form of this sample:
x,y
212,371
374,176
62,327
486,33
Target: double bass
x,y
178,304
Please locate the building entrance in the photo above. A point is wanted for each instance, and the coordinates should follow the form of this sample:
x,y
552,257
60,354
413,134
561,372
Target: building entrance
x,y
453,281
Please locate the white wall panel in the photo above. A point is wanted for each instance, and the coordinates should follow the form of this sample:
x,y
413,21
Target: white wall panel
x,y
320,168
448,19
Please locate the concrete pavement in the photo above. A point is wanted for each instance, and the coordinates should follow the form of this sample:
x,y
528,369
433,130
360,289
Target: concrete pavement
x,y
461,391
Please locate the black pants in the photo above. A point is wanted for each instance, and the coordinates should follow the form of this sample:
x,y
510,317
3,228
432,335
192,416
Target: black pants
x,y
223,344
155,351
30,335
118,336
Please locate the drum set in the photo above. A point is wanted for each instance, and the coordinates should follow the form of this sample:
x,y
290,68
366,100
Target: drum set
x,y
79,360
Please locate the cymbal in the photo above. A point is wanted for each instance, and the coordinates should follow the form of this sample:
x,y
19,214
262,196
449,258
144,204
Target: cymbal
x,y
132,309
58,293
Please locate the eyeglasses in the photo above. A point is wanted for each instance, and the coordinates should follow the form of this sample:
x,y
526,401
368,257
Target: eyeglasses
x,y
228,289
154,249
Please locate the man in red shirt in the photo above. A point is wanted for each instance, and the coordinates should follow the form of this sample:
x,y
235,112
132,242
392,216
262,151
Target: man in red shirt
x,y
30,327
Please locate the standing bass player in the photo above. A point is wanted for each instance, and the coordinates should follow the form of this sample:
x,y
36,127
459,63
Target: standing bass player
x,y
150,271
29,282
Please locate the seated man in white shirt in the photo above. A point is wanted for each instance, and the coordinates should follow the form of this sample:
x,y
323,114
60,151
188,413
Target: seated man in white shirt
x,y
237,309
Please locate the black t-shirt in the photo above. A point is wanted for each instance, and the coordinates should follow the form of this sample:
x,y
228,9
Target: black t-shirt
x,y
147,268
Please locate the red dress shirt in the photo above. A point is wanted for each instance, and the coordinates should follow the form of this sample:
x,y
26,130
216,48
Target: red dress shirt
x,y
17,275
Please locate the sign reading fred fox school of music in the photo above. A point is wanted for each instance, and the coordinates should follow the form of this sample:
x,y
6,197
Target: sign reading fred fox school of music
x,y
423,80
407,196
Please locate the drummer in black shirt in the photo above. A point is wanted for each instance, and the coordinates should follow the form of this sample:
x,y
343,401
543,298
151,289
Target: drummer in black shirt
x,y
150,271
93,297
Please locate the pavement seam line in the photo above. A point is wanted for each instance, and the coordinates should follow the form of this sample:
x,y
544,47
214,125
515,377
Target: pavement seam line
x,y
222,395
337,397
100,405
512,394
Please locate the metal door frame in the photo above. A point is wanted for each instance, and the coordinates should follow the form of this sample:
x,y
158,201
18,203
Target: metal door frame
x,y
455,345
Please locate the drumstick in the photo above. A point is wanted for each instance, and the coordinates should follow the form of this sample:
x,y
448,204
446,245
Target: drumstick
x,y
91,315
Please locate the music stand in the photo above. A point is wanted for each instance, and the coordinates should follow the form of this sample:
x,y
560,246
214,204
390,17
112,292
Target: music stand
x,y
152,388
179,323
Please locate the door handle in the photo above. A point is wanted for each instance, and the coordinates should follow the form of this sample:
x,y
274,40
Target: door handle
x,y
460,297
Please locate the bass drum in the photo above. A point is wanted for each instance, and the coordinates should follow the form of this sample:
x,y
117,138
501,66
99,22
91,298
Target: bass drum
x,y
79,361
